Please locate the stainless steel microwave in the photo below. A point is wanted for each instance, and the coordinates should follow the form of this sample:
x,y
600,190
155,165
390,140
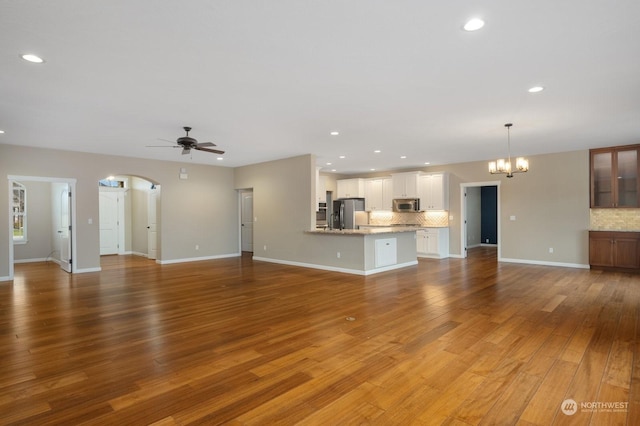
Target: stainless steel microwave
x,y
406,205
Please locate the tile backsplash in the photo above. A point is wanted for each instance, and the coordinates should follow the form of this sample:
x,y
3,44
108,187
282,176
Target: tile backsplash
x,y
427,219
614,219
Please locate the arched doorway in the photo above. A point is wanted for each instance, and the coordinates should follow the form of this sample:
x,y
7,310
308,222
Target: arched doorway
x,y
129,219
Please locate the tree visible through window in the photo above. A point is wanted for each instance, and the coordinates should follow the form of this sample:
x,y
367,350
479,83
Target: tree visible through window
x,y
19,212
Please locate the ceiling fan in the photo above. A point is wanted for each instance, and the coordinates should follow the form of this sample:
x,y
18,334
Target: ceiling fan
x,y
187,143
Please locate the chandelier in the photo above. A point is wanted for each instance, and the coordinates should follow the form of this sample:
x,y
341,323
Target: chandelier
x,y
504,167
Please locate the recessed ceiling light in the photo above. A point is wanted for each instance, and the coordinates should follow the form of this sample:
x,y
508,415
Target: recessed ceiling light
x,y
403,157
377,151
328,164
343,156
32,58
219,158
373,170
427,163
473,24
536,89
334,133
1,132
333,170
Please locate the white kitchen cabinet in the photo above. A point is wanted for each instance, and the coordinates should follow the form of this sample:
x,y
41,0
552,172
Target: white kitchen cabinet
x,y
321,189
405,185
434,191
321,192
377,194
432,242
386,252
350,188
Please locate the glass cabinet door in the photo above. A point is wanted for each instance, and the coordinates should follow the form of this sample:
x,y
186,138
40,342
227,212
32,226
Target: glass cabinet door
x,y
602,164
627,178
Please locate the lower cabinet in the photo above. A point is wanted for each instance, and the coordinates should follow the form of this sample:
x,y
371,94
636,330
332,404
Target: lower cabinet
x,y
432,242
613,249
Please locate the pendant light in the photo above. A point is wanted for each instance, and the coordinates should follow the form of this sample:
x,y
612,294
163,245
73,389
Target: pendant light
x,y
504,167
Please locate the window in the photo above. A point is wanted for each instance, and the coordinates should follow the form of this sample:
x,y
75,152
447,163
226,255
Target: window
x,y
19,213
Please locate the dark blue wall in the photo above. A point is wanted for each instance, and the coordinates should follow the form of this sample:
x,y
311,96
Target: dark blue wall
x,y
489,214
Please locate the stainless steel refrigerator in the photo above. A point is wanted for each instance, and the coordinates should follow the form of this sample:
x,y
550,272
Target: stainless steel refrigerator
x,y
347,213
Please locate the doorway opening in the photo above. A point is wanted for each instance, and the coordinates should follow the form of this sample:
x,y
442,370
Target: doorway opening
x,y
246,220
42,221
129,220
480,203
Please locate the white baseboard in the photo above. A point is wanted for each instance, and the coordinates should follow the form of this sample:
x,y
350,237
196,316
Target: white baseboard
x,y
197,259
39,259
137,253
5,279
544,263
85,270
337,269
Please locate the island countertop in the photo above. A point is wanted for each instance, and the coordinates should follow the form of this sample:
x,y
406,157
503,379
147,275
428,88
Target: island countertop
x,y
367,231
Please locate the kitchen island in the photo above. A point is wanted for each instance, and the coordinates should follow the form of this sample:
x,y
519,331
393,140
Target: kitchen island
x,y
364,251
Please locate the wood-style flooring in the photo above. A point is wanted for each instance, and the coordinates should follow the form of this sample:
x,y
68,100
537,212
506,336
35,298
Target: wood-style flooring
x,y
241,342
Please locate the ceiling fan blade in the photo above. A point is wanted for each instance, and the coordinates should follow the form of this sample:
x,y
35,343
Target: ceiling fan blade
x,y
206,144
215,151
165,140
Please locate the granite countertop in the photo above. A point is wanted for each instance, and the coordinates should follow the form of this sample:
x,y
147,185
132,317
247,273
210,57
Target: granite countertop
x,y
368,231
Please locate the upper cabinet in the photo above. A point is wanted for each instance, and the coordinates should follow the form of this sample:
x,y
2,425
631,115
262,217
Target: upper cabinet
x,y
614,177
405,185
378,194
350,188
434,191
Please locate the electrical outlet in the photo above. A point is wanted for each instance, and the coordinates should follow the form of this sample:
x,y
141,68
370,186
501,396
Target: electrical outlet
x,y
338,255
197,247
550,249
265,247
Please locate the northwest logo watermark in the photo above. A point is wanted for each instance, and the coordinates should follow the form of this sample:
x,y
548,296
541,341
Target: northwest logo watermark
x,y
571,407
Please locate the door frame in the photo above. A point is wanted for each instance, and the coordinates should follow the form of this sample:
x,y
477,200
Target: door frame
x,y
240,193
463,215
72,188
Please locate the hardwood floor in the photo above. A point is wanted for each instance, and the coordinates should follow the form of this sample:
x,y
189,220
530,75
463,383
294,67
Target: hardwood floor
x,y
235,341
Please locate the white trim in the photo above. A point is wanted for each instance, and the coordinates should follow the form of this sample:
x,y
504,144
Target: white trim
x,y
463,214
42,179
6,279
33,260
544,263
137,253
85,270
71,182
336,269
197,259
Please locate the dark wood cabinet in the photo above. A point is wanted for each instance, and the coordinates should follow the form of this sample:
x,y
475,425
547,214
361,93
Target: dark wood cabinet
x,y
614,177
615,250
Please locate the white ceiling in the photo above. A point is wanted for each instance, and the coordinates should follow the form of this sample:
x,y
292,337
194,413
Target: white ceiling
x,y
271,79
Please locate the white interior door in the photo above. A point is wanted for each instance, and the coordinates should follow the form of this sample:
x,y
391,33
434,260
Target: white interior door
x,y
64,228
152,224
246,218
109,232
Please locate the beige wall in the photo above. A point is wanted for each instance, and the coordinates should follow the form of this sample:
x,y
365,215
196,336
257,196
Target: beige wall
x,y
550,203
283,205
201,210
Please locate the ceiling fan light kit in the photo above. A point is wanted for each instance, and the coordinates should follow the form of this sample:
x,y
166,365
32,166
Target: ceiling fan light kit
x,y
501,166
187,143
